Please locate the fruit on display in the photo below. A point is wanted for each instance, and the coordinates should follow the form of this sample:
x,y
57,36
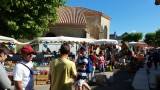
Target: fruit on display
x,y
43,72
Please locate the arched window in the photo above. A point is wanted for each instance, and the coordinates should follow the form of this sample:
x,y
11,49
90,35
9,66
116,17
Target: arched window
x,y
105,32
50,34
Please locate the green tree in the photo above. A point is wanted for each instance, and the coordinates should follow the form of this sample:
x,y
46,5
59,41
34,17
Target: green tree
x,y
132,37
150,38
27,18
136,36
158,37
158,34
125,36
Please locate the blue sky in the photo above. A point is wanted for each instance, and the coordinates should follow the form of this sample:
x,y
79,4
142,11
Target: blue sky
x,y
127,15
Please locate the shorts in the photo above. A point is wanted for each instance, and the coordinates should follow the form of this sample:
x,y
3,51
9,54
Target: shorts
x,y
80,82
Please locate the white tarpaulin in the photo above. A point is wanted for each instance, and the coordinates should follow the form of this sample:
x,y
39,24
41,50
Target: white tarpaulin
x,y
132,43
45,39
54,43
7,39
106,41
62,39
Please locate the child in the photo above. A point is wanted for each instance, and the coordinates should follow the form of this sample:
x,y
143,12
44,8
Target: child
x,y
101,62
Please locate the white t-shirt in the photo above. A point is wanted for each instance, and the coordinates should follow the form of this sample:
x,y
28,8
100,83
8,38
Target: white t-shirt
x,y
22,73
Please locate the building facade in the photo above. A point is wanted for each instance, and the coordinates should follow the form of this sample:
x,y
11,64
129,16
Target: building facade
x,y
80,22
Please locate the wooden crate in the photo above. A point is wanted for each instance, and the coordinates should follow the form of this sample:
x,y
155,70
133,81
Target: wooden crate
x,y
35,82
35,76
42,77
38,82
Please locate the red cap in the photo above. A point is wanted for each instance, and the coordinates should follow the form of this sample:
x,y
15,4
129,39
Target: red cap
x,y
27,49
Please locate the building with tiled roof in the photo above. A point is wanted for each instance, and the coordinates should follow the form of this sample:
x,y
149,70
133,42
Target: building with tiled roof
x,y
116,37
80,22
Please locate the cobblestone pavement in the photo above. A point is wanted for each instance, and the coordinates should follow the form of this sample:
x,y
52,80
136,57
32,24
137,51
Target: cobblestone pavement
x,y
122,81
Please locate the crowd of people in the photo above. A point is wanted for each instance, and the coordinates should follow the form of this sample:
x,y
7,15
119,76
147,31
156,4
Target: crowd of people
x,y
79,70
63,72
153,56
62,69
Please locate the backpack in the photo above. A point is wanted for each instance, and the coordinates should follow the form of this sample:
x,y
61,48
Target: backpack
x,y
89,64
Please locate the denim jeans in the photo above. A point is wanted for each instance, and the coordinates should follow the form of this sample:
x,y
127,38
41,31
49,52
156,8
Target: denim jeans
x,y
91,75
101,67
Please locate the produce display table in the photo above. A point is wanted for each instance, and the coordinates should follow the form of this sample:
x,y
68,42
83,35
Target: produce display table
x,y
41,75
40,79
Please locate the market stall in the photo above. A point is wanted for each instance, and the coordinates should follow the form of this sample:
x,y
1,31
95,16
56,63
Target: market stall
x,y
47,48
138,47
53,43
7,40
8,43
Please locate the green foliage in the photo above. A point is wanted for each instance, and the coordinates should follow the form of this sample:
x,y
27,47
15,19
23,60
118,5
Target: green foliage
x,y
158,37
124,37
125,34
137,36
150,38
158,34
27,18
132,37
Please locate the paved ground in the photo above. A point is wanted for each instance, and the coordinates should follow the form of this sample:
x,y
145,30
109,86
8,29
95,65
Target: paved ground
x,y
122,81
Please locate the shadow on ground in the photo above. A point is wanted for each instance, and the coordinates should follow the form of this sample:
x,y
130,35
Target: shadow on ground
x,y
122,81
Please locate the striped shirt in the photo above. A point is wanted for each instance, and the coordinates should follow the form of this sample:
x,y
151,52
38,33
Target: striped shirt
x,y
82,71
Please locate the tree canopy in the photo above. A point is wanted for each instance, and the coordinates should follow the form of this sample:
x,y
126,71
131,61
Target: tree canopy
x,y
150,38
132,37
158,34
27,18
153,38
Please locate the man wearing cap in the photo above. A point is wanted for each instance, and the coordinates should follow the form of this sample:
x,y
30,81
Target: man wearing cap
x,y
82,75
23,71
5,83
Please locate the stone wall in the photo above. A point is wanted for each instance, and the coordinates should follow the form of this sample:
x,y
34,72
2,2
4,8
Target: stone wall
x,y
88,24
70,32
105,23
92,25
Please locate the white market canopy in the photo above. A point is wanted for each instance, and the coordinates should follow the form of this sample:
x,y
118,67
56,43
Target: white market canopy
x,y
4,39
139,43
132,43
62,39
106,41
7,40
